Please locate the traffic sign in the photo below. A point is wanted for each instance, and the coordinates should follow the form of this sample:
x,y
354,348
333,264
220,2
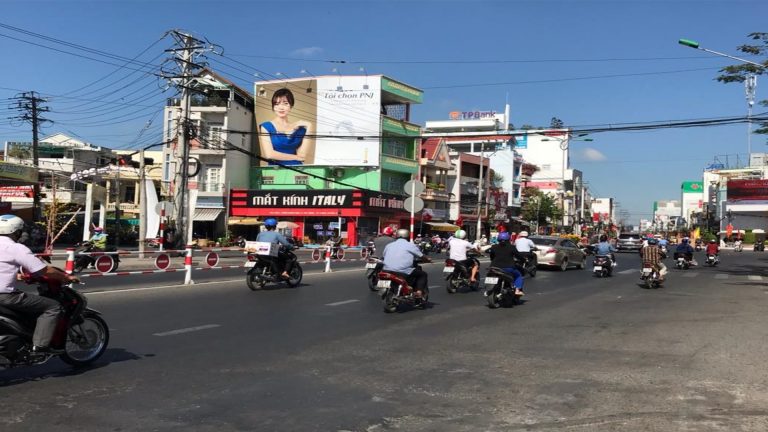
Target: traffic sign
x,y
164,204
414,204
413,187
105,263
162,261
212,259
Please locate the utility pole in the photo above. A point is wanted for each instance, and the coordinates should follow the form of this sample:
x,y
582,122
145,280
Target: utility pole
x,y
29,105
480,193
142,206
749,85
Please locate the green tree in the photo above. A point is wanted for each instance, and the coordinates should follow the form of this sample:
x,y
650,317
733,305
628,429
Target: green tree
x,y
540,207
556,123
738,73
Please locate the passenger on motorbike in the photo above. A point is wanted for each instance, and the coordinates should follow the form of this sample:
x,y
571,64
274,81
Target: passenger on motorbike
x,y
503,255
652,254
99,239
685,250
14,255
459,247
399,257
282,265
379,243
607,249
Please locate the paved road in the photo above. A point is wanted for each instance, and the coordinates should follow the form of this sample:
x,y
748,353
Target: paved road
x,y
583,354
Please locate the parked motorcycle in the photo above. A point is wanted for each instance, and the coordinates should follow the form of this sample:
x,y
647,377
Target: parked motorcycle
x,y
81,331
458,276
260,271
83,261
499,289
712,260
373,266
650,276
602,266
395,291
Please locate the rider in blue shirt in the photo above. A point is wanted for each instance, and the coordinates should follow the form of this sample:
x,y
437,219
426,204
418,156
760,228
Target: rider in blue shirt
x,y
272,236
605,248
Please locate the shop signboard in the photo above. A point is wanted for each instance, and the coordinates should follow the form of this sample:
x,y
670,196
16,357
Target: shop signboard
x,y
18,172
747,190
335,120
322,202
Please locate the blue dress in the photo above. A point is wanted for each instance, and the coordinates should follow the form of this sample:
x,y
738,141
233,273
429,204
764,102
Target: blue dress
x,y
285,143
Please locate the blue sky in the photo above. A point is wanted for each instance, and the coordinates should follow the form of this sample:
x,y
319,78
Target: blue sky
x,y
466,55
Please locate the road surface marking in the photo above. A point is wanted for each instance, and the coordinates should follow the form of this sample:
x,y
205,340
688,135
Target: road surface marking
x,y
755,278
627,271
690,274
339,303
186,330
721,276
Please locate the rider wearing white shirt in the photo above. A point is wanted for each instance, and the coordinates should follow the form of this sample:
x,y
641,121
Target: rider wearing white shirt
x,y
458,252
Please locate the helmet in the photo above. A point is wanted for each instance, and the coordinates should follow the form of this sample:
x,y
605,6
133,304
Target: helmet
x,y
403,233
270,222
504,236
98,229
523,234
712,241
9,224
460,234
652,241
603,238
388,231
685,239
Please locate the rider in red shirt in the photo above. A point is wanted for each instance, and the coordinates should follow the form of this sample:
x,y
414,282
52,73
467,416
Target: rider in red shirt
x,y
713,248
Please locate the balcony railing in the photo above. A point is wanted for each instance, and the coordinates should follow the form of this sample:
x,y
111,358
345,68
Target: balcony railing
x,y
433,194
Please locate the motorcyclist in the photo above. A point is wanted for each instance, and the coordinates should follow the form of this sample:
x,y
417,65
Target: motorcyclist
x,y
99,239
380,242
503,255
524,246
685,250
458,252
652,254
399,257
713,249
607,249
283,262
14,255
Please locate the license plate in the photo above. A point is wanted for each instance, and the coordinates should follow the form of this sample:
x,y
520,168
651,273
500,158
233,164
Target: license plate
x,y
647,271
249,264
598,268
383,283
491,280
447,269
370,265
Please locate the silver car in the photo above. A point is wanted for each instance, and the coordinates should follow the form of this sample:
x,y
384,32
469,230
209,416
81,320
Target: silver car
x,y
558,252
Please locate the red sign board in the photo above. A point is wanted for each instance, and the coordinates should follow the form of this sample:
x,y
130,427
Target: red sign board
x,y
162,261
105,263
212,259
747,190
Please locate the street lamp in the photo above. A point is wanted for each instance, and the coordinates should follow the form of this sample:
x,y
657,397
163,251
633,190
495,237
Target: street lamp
x,y
564,144
750,83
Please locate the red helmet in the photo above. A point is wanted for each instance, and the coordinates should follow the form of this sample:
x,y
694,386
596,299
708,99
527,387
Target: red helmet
x,y
388,231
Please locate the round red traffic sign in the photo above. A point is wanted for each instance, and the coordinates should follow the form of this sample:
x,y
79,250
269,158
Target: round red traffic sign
x,y
105,263
162,261
212,259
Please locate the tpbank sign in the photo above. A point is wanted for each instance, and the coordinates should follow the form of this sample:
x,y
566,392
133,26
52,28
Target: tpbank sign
x,y
471,115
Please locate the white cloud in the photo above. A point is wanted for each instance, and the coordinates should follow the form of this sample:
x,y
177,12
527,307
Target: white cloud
x,y
306,52
591,154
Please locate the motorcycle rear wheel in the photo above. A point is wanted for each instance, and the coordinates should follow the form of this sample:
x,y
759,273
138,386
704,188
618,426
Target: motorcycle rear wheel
x,y
373,282
253,280
450,286
493,302
390,305
87,341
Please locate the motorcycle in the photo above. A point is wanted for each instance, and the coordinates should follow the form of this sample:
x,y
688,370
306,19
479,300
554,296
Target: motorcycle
x,y
368,250
602,266
712,260
81,331
500,290
737,246
529,264
458,276
83,261
664,251
426,247
373,266
260,271
682,262
650,276
396,291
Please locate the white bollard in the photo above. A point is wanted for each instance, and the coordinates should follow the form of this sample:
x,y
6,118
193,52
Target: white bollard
x,y
328,259
188,266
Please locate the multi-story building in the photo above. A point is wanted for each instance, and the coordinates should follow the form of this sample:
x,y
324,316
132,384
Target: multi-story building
x,y
666,215
221,127
346,158
603,211
435,164
691,201
737,196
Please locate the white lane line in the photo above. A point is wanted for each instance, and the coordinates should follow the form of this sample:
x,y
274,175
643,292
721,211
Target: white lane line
x,y
627,271
690,274
186,330
721,276
339,303
755,278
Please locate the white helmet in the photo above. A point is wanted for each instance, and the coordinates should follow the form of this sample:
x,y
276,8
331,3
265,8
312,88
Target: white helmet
x,y
403,233
9,224
523,234
460,234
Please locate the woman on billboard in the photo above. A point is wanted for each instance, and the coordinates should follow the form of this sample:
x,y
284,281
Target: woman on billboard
x,y
289,143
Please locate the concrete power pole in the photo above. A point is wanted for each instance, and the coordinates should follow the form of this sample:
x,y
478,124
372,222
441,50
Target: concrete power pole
x,y
29,105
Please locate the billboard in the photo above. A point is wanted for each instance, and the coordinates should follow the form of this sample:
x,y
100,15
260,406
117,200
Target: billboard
x,y
747,190
323,121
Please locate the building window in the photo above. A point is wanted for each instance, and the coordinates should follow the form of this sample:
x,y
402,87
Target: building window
x,y
167,168
169,129
214,133
213,179
268,180
395,148
301,179
130,194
